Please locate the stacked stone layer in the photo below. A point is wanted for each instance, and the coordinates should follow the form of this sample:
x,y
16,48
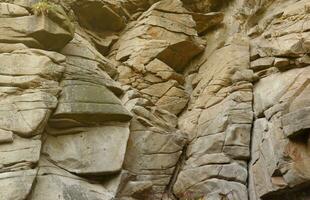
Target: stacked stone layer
x,y
154,99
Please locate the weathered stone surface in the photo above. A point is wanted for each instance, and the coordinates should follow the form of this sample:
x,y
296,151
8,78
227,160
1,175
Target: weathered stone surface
x,y
296,123
222,128
161,44
98,150
207,21
154,100
204,5
278,153
12,10
17,185
48,32
90,103
262,63
153,151
99,15
21,154
170,34
81,53
53,182
34,77
6,136
264,95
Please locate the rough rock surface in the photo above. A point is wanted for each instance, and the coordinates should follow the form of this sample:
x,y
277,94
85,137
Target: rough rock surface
x,y
154,99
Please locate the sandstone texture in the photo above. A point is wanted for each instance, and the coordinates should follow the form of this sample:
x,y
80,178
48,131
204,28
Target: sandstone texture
x,y
154,99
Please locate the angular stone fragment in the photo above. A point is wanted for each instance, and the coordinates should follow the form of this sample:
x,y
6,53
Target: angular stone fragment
x,y
51,32
290,45
207,21
296,123
262,63
281,62
99,15
98,150
159,89
53,182
81,48
35,75
173,101
17,185
191,177
217,154
90,103
22,153
153,151
6,136
170,37
264,95
12,10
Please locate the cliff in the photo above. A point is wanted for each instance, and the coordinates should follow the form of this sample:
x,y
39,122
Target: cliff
x,y
154,99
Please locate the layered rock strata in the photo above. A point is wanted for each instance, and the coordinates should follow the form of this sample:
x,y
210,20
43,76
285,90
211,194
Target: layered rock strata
x,y
154,99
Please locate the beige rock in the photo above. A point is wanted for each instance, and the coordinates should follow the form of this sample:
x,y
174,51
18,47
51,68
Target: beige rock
x,y
21,154
262,63
290,45
221,126
18,64
98,150
26,112
216,189
7,48
37,31
190,134
17,185
264,95
53,182
203,6
190,178
173,101
162,35
12,10
98,15
78,102
281,62
153,151
160,89
296,123
207,21
80,47
278,162
6,136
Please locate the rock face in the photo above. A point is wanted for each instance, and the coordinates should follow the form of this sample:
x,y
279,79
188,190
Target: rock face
x,y
154,99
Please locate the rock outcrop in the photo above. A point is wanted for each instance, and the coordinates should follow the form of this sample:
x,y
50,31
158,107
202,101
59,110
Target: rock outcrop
x,y
154,99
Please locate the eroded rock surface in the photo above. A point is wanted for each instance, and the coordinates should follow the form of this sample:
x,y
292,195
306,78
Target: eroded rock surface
x,y
154,99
